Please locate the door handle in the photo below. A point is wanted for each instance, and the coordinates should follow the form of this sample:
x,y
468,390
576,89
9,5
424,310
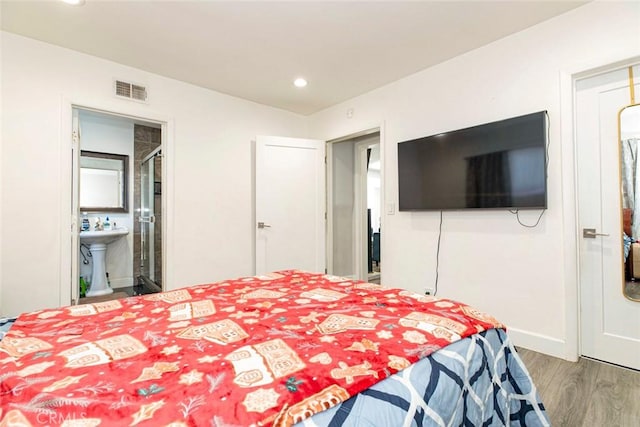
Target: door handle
x,y
590,233
149,219
263,225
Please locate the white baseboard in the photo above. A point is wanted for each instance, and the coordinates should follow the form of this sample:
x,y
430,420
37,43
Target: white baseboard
x,y
537,342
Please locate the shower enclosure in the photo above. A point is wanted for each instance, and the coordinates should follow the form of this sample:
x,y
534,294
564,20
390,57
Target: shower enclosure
x,y
150,220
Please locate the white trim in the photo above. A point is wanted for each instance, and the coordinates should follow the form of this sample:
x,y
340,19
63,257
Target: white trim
x,y
540,343
252,226
168,203
328,205
360,231
569,217
351,136
67,267
383,197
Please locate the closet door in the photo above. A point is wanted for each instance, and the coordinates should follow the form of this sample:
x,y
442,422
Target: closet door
x,y
290,204
609,320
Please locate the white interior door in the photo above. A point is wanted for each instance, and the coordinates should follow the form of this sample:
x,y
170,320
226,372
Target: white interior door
x,y
609,322
290,204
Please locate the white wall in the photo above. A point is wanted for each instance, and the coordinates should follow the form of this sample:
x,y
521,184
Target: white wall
x,y
486,258
209,208
1,163
114,135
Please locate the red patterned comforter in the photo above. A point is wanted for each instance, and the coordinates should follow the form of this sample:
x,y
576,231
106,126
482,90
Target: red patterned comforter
x,y
268,350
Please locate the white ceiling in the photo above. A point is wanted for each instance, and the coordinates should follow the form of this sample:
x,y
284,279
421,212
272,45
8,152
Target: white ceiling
x,y
254,50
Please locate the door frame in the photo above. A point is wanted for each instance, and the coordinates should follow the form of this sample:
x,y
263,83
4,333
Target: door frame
x,y
360,183
571,233
69,214
361,187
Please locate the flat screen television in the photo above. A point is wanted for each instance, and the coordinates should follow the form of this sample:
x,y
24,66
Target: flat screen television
x,y
491,166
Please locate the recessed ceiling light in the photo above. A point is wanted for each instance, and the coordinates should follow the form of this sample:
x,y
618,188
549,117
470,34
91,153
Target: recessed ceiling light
x,y
74,2
300,82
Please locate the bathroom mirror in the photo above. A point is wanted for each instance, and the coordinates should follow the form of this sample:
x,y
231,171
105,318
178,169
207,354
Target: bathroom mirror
x,y
629,128
103,182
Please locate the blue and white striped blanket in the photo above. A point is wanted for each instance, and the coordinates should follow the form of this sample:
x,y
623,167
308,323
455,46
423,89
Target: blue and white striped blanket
x,y
5,324
477,381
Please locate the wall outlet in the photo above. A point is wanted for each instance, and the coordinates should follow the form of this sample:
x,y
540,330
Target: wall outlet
x,y
428,291
349,113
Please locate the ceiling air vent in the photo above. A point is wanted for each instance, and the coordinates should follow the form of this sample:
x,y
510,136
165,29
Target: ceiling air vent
x,y
131,91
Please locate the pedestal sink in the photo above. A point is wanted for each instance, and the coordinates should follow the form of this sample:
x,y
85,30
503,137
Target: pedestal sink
x,y
98,241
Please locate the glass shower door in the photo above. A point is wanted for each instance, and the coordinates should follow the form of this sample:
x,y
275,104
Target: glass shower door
x,y
150,221
147,220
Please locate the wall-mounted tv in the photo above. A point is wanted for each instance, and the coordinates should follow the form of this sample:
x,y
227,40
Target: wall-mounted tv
x,y
496,165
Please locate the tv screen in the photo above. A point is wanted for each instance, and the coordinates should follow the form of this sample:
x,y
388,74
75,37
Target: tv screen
x,y
495,165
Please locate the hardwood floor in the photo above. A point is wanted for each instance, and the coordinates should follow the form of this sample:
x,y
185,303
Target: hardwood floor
x,y
119,293
103,298
587,393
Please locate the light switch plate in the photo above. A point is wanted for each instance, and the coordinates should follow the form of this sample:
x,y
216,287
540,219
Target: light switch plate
x,y
391,208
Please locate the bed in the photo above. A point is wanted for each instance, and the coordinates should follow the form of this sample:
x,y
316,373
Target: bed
x,y
288,348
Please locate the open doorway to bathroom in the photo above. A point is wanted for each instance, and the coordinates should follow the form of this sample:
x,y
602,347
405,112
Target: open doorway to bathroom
x,y
130,262
354,206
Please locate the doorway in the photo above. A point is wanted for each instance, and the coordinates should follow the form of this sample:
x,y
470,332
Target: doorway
x,y
354,206
609,316
99,135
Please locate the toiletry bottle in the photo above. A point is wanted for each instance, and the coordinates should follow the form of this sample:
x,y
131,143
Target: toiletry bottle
x,y
107,224
98,226
83,287
85,222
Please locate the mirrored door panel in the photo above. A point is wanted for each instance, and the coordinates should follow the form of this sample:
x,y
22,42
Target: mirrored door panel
x,y
629,128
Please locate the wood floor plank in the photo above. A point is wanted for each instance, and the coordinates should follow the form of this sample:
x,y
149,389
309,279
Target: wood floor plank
x,y
615,401
568,397
608,399
103,298
541,367
585,394
631,411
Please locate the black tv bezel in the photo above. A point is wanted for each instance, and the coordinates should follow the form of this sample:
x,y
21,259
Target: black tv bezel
x,y
545,134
